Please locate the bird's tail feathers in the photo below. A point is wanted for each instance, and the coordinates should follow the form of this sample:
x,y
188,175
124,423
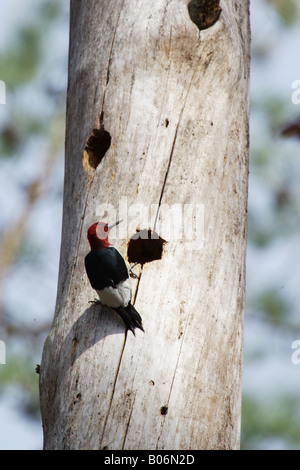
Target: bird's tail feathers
x,y
131,317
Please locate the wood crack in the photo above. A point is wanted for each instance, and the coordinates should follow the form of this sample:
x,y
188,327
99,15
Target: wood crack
x,y
172,150
172,383
128,423
106,78
113,390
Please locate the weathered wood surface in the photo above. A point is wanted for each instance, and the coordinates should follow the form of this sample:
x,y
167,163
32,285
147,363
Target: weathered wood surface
x,y
175,103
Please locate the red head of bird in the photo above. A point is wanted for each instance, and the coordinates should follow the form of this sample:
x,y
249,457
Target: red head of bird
x,y
98,234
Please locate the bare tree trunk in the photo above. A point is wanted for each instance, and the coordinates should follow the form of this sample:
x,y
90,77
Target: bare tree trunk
x,y
157,115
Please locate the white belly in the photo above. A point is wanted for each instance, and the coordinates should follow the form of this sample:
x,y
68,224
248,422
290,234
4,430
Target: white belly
x,y
119,297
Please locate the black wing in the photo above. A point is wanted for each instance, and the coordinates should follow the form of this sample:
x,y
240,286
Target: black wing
x,y
105,268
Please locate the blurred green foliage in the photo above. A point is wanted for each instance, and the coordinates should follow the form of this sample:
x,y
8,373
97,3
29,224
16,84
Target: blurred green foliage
x,y
271,305
18,376
270,420
34,113
20,66
273,220
288,10
20,62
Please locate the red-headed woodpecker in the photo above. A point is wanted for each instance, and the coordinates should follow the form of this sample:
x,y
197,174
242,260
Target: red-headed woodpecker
x,y
108,275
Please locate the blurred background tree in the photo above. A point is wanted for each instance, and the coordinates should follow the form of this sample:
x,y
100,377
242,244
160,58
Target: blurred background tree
x,y
33,65
271,406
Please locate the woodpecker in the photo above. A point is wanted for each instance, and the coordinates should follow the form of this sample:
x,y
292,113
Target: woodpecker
x,y
108,275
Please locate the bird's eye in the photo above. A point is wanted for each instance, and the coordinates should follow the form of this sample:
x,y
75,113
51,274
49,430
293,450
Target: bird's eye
x,y
105,228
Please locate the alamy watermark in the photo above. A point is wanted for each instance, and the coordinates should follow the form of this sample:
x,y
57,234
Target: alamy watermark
x,y
2,352
2,92
182,222
296,354
296,94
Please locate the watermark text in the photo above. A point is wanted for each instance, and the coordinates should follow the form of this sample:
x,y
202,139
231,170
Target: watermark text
x,y
180,222
296,354
296,94
2,92
2,352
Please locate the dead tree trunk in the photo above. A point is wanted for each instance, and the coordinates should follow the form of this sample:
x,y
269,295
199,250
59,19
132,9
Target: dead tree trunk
x,y
156,134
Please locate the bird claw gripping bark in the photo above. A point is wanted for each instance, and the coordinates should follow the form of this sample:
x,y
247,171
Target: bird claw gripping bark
x,y
131,273
95,301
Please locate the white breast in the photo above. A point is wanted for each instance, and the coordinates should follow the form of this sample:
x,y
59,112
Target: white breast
x,y
116,297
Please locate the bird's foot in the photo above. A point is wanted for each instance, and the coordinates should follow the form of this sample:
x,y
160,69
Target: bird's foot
x,y
95,301
131,273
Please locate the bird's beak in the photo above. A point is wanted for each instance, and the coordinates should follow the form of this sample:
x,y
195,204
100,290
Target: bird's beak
x,y
113,224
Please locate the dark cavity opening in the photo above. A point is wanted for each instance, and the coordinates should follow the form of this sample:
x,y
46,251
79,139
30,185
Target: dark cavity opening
x,y
204,13
97,145
145,246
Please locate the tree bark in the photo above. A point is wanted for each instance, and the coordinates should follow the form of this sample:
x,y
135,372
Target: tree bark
x,y
157,121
